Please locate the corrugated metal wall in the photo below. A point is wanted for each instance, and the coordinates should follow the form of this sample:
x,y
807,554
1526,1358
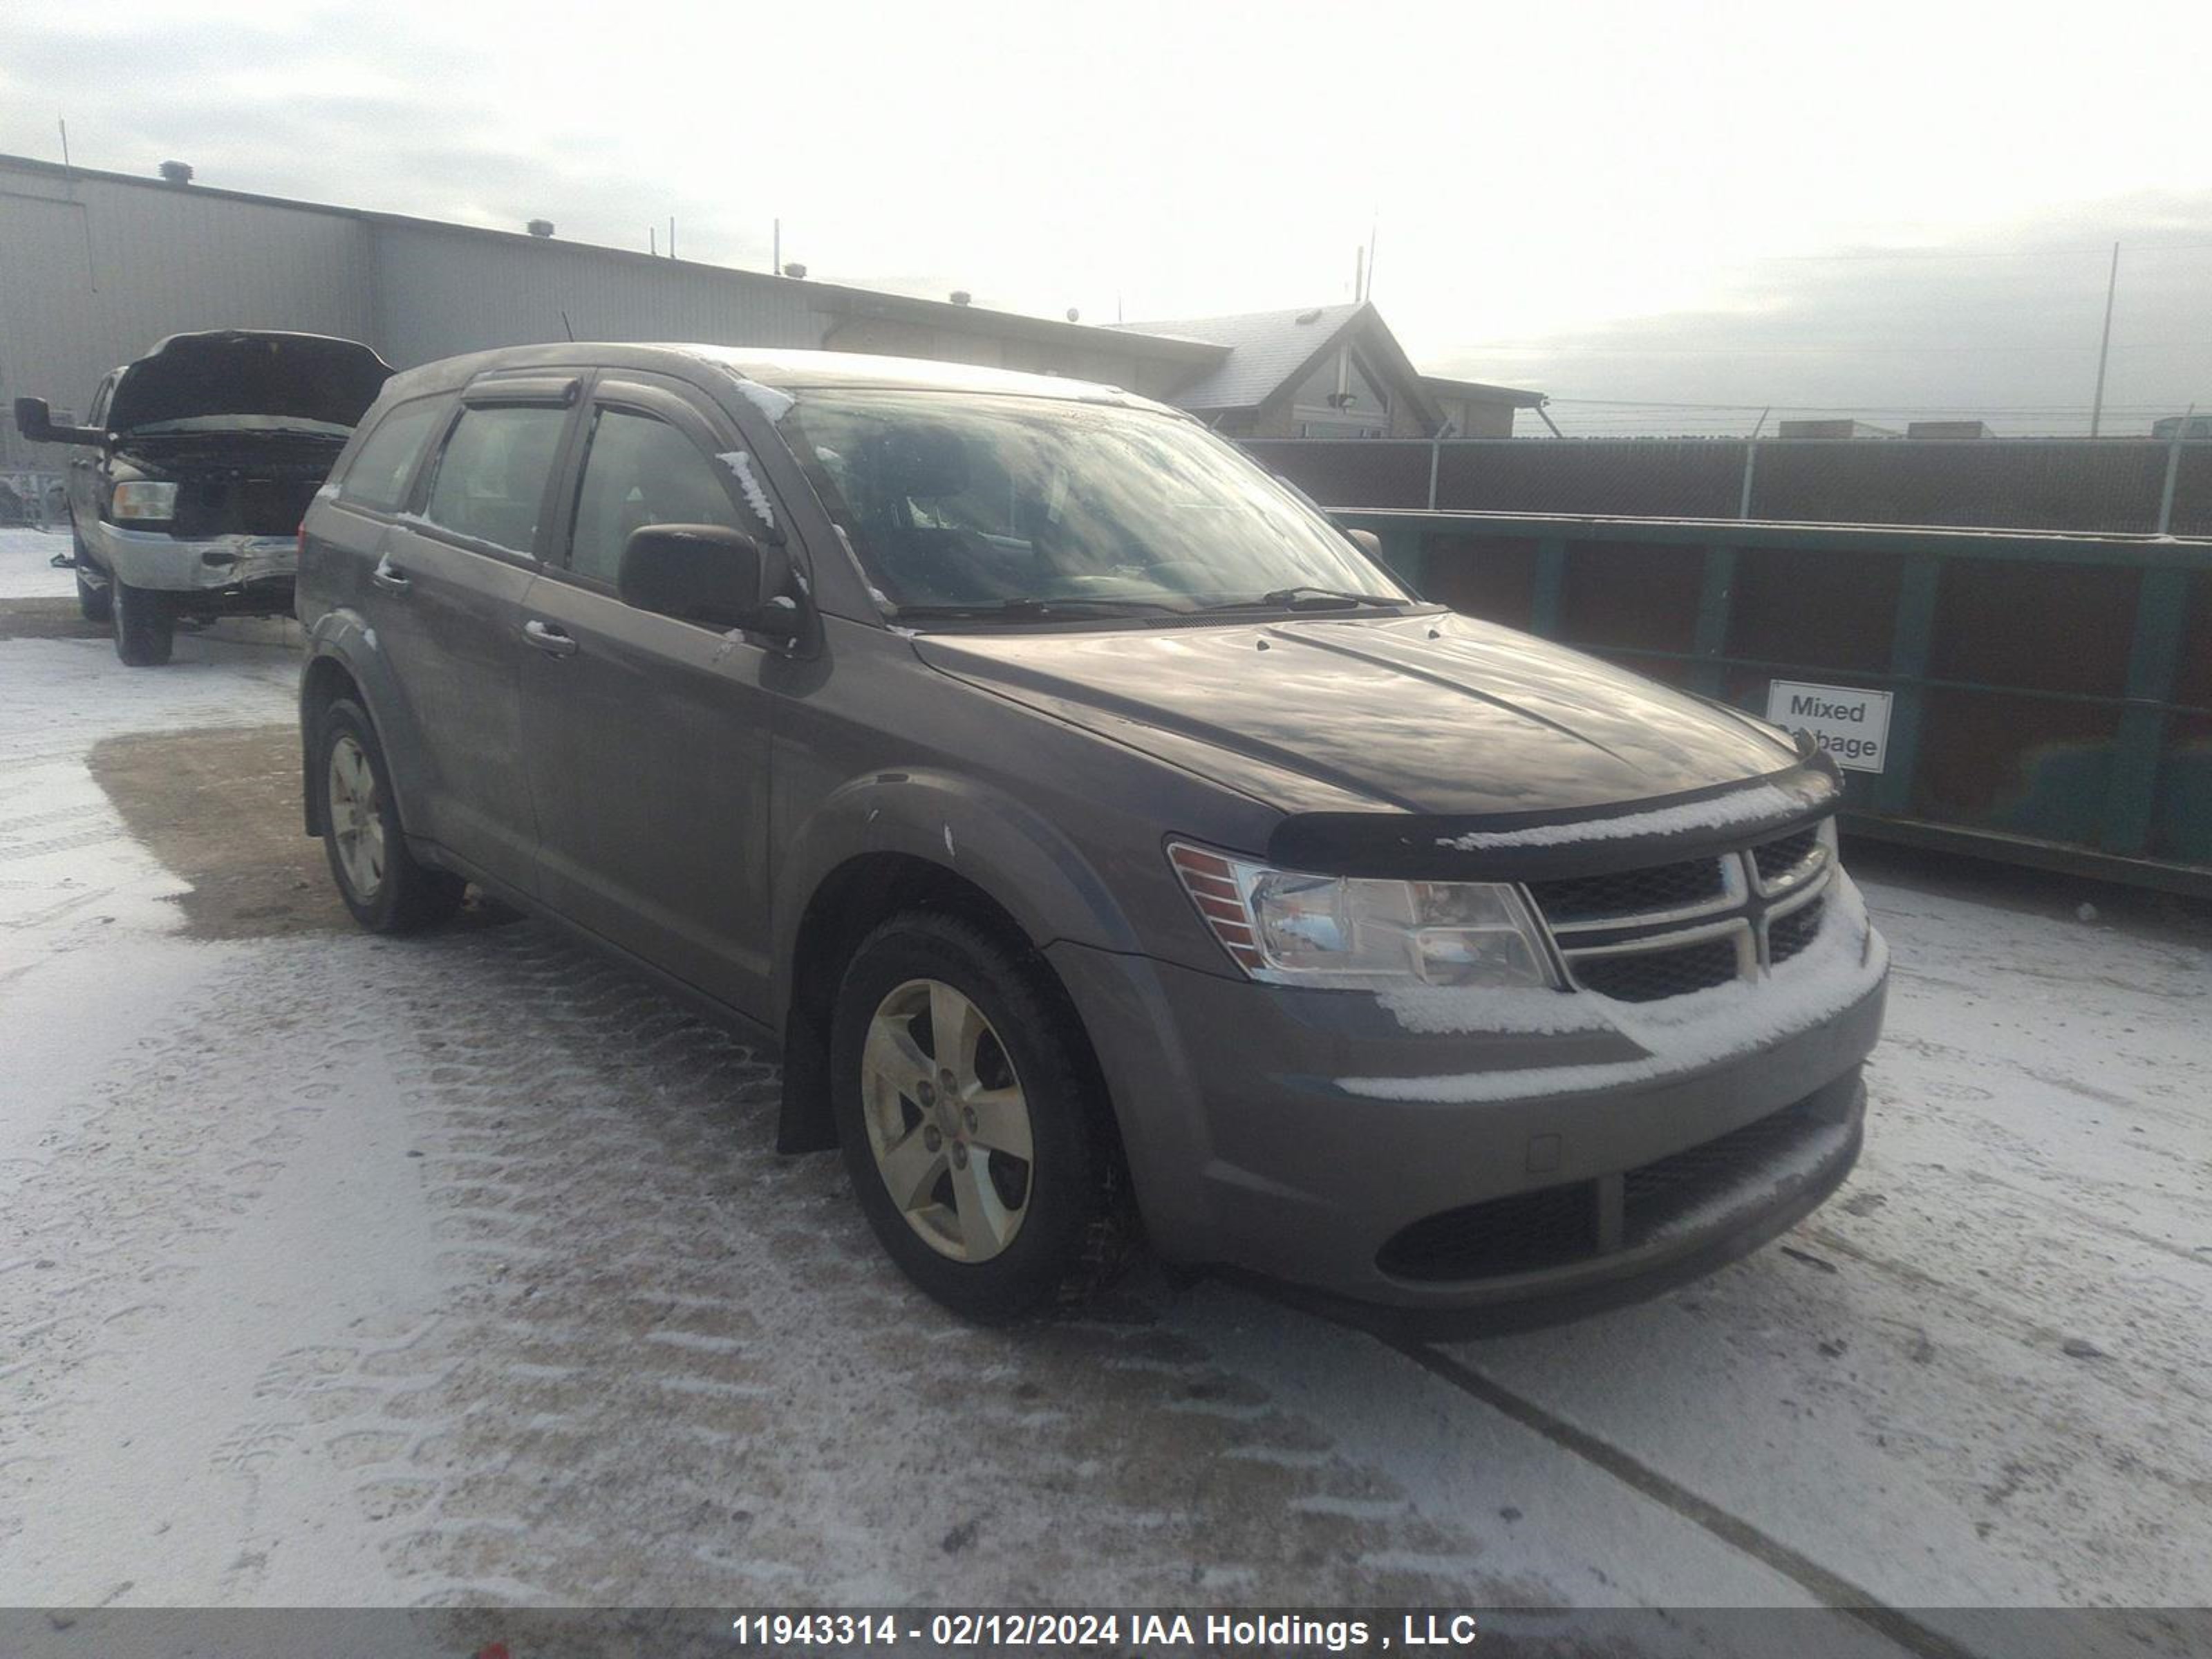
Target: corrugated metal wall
x,y
93,271
442,292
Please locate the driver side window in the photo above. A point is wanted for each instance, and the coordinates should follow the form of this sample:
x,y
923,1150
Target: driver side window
x,y
639,471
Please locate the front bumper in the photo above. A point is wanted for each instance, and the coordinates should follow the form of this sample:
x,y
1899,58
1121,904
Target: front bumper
x,y
154,559
1400,1158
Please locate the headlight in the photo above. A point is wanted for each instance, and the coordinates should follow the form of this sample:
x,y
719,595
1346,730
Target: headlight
x,y
1346,931
157,501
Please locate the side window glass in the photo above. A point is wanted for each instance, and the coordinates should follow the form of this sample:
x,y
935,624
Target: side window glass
x,y
637,471
491,476
98,415
380,470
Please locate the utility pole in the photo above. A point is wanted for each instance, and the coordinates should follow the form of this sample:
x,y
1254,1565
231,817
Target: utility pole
x,y
2104,345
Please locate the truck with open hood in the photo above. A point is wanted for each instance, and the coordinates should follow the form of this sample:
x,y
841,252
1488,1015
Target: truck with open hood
x,y
198,462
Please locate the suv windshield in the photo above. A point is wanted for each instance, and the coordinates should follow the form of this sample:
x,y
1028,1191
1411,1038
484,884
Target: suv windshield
x,y
1033,508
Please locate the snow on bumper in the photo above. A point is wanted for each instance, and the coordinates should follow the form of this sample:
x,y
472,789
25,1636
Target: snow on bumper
x,y
1301,1134
154,559
1684,1035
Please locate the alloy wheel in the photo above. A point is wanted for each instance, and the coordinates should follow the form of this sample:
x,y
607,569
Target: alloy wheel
x,y
946,1119
356,823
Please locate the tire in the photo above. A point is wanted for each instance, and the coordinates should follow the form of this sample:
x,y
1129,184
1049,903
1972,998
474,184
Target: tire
x,y
381,881
95,603
1018,1235
145,623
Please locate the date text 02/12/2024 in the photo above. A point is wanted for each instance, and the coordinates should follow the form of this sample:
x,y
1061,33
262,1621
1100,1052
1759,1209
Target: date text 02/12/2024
x,y
1152,1629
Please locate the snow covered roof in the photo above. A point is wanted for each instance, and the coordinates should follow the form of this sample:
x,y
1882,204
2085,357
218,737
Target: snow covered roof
x,y
1266,349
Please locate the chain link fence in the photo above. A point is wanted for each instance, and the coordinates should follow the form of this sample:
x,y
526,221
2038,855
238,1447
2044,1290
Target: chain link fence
x,y
2111,486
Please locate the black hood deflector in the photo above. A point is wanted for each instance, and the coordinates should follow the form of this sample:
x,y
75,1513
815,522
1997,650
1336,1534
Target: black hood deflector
x,y
1423,845
307,377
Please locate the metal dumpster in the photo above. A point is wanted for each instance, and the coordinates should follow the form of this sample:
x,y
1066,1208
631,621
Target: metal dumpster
x,y
2042,698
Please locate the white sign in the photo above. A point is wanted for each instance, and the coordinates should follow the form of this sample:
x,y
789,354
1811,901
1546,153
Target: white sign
x,y
1851,724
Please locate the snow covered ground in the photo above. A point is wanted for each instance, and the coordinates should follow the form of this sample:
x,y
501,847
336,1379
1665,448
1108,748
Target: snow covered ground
x,y
336,1271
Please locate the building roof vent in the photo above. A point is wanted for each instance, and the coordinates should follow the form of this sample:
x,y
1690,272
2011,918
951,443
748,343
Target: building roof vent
x,y
1074,315
961,296
539,226
1313,316
177,172
794,269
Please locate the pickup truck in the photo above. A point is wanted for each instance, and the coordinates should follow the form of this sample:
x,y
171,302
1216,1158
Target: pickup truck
x,y
200,459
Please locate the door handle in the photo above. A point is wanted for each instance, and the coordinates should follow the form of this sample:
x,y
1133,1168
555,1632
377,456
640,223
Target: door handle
x,y
549,639
390,578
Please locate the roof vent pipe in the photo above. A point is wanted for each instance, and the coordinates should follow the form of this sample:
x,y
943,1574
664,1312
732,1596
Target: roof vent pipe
x,y
961,296
539,226
794,268
177,172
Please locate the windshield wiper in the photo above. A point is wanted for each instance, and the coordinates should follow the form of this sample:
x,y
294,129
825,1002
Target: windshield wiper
x,y
1045,608
1307,597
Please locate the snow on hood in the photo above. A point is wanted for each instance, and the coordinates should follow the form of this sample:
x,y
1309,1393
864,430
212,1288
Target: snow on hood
x,y
307,376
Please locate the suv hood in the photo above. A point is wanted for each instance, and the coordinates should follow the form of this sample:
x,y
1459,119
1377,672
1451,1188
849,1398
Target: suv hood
x,y
309,377
1443,716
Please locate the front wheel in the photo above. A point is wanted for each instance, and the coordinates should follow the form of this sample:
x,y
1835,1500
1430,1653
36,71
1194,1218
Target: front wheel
x,y
978,1145
381,881
145,622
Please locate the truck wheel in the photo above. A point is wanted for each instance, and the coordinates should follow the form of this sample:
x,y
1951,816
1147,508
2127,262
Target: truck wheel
x,y
381,883
978,1147
94,600
145,624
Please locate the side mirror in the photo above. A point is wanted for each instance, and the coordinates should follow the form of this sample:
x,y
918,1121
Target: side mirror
x,y
709,574
36,422
1369,542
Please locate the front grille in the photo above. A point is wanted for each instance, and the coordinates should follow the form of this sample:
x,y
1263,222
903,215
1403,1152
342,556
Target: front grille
x,y
211,505
1650,975
1787,935
1650,891
1547,1228
1657,1194
1777,861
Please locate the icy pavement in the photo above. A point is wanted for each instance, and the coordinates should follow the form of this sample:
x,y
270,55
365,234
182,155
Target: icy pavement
x,y
340,1270
26,563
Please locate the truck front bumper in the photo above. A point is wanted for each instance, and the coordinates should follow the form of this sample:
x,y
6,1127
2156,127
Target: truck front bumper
x,y
1434,1175
164,563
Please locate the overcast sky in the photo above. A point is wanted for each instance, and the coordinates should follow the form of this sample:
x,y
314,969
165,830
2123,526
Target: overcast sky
x,y
1879,208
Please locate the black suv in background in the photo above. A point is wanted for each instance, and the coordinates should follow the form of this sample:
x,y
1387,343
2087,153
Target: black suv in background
x,y
203,456
1107,837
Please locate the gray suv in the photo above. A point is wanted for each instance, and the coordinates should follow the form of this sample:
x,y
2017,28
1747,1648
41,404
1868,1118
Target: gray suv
x,y
1111,843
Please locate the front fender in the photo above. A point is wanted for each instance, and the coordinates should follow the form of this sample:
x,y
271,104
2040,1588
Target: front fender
x,y
1026,863
341,639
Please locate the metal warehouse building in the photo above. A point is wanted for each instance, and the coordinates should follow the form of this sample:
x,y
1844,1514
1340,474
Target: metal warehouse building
x,y
95,267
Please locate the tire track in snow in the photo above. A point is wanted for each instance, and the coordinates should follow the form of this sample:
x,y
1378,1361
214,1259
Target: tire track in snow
x,y
1830,1588
680,1369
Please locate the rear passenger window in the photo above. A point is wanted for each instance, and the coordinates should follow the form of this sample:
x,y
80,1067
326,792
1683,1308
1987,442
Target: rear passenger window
x,y
378,477
639,471
491,478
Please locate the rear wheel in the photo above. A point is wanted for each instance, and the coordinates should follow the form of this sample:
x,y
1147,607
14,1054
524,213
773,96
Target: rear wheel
x,y
977,1146
381,881
94,599
145,622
